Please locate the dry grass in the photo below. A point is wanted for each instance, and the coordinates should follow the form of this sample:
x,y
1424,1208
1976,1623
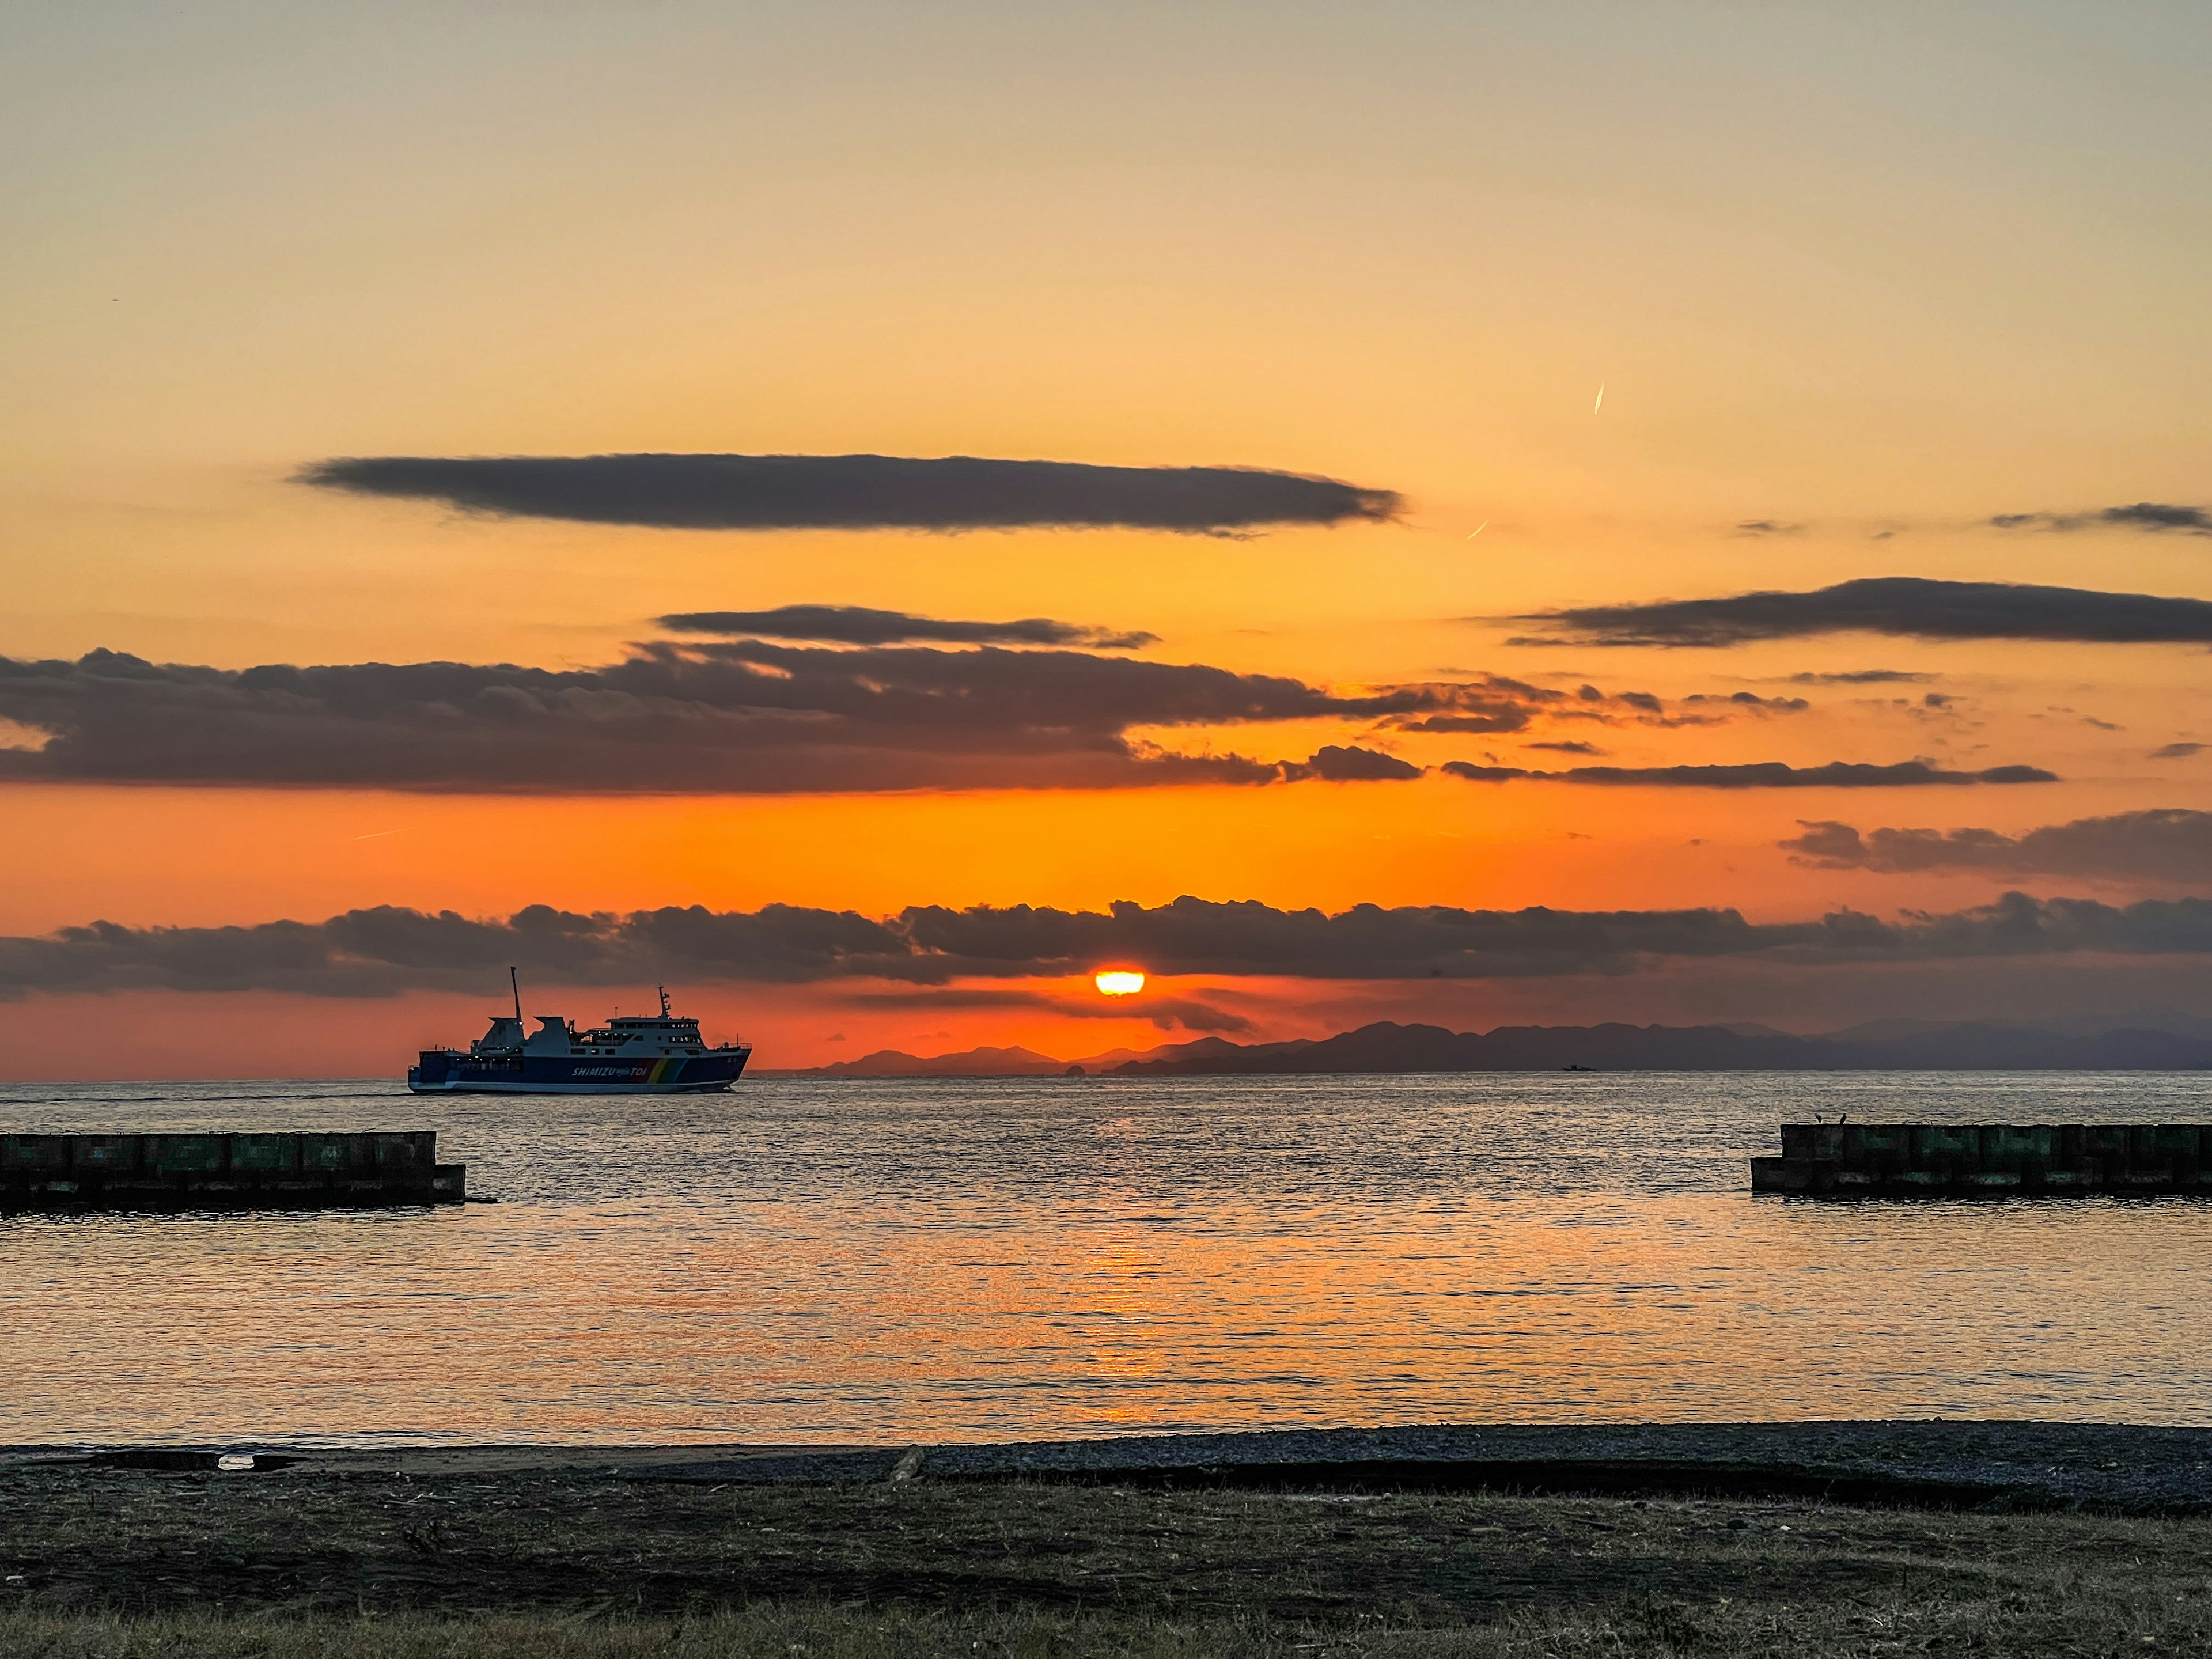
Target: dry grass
x,y
2012,1625
573,1565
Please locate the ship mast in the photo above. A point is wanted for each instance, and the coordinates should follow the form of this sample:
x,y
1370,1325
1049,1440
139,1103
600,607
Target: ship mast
x,y
516,983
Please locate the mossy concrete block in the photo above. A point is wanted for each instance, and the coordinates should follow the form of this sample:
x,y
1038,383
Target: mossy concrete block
x,y
226,1171
1989,1159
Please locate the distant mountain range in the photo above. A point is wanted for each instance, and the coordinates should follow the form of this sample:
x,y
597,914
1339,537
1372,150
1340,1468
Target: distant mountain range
x,y
2157,1040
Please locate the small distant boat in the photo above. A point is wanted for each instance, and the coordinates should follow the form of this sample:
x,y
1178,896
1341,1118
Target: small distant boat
x,y
1578,1069
640,1057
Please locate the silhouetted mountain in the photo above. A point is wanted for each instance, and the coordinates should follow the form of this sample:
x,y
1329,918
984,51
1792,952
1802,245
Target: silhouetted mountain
x,y
1889,1045
973,1062
1385,1047
2170,1021
2027,1047
1006,1062
1389,1048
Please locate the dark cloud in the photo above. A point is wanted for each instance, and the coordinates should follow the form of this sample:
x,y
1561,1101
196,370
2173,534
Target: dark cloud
x,y
2170,844
1912,605
1568,748
1863,677
1492,703
857,492
743,716
1758,775
735,717
2176,750
1488,704
1750,700
1338,763
853,624
2154,516
1768,528
385,951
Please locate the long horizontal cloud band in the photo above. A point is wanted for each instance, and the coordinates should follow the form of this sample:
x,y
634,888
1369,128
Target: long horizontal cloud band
x,y
740,717
386,950
755,717
1757,774
2156,517
2165,844
1164,1011
1911,607
857,492
854,624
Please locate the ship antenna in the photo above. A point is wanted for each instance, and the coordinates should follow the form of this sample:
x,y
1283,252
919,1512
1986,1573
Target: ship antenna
x,y
513,981
663,990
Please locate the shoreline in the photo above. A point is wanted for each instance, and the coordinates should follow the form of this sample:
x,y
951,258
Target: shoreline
x,y
1943,1463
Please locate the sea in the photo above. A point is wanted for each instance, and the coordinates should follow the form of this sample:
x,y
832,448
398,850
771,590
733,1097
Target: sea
x,y
888,1261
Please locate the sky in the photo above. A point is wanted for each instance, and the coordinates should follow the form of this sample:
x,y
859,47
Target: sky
x,y
1426,391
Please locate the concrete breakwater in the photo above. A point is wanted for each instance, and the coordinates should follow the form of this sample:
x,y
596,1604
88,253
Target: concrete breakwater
x,y
1946,1160
226,1171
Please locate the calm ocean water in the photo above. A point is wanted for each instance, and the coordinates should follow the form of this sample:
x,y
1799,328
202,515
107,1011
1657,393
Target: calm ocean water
x,y
806,1260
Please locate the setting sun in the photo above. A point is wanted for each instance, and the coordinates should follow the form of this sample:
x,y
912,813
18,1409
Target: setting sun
x,y
1120,982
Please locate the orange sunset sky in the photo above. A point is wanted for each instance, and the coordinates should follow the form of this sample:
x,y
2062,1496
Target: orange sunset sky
x,y
1870,294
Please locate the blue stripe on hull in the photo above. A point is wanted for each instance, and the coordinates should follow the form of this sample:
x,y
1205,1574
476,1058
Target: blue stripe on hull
x,y
485,1086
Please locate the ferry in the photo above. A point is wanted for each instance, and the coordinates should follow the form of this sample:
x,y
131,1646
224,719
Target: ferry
x,y
640,1056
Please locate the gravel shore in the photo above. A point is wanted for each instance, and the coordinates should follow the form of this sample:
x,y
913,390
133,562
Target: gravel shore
x,y
1724,1540
2116,1468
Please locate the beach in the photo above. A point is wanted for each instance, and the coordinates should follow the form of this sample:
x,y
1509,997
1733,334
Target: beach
x,y
1248,1544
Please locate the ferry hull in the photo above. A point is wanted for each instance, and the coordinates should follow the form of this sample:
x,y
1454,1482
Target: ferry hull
x,y
451,1073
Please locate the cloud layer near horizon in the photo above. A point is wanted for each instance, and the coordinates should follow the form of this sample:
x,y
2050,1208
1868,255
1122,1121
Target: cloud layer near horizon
x,y
385,951
1912,606
743,717
1756,774
1164,1011
2156,517
857,492
854,624
2169,844
748,716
